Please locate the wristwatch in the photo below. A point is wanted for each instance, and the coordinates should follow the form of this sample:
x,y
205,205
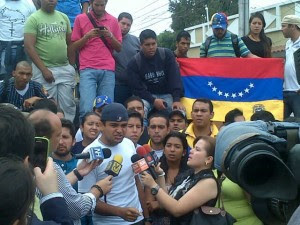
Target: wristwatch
x,y
155,189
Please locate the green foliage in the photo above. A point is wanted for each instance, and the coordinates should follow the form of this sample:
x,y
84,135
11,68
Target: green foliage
x,y
166,39
187,13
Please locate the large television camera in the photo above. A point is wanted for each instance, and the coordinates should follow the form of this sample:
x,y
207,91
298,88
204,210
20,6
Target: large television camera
x,y
264,159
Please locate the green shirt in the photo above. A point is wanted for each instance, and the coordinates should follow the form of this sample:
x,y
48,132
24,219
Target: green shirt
x,y
223,47
50,30
236,203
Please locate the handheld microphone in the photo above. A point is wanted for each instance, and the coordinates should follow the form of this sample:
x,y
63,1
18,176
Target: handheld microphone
x,y
139,164
151,157
95,153
149,160
114,166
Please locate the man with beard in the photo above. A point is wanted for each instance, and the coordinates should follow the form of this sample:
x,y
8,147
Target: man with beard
x,y
62,155
290,27
223,43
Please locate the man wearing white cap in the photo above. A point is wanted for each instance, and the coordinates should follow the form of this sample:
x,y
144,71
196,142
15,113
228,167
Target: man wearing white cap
x,y
290,27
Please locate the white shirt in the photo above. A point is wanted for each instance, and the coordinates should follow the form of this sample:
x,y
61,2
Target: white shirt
x,y
290,77
13,15
79,137
124,192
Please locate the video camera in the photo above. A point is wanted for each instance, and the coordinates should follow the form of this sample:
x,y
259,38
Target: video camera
x,y
264,159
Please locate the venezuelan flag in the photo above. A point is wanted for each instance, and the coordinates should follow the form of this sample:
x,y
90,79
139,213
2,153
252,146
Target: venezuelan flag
x,y
246,84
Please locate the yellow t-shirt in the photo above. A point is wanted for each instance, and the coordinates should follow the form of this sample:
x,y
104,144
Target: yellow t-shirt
x,y
190,136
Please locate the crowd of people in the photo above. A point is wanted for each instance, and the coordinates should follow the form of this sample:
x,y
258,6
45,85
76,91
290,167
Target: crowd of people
x,y
129,99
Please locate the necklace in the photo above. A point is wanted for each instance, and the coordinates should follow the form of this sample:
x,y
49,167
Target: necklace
x,y
254,38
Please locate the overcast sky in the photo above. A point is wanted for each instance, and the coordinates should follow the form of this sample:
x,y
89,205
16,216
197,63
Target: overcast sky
x,y
154,14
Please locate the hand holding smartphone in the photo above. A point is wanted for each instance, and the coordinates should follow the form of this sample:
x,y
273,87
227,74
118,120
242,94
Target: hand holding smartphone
x,y
40,153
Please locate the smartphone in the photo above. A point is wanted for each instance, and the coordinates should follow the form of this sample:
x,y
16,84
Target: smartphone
x,y
101,28
40,153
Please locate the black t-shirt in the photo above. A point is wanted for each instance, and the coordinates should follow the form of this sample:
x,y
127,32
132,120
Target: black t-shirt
x,y
255,47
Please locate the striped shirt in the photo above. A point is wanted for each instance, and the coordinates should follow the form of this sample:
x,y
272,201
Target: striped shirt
x,y
13,97
78,204
223,47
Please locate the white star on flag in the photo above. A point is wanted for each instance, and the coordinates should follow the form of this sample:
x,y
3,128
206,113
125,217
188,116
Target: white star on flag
x,y
251,85
226,95
214,89
220,93
246,90
233,95
241,94
210,83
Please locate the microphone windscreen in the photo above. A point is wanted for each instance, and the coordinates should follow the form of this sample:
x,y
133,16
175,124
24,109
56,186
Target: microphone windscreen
x,y
135,158
141,151
147,148
106,153
118,158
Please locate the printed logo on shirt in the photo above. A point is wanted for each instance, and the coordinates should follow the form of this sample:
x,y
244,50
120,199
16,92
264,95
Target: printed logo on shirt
x,y
52,30
154,77
14,17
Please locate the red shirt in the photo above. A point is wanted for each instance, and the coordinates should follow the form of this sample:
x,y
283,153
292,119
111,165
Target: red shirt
x,y
94,54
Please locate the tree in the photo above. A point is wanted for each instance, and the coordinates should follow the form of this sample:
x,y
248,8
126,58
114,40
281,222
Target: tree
x,y
166,39
187,13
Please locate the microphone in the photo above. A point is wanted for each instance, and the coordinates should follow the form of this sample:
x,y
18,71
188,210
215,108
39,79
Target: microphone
x,y
149,159
114,166
95,153
139,164
149,155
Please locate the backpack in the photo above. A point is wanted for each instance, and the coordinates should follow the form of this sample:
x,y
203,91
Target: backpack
x,y
235,44
138,60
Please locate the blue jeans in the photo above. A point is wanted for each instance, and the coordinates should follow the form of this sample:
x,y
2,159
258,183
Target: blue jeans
x,y
94,82
147,106
11,52
291,100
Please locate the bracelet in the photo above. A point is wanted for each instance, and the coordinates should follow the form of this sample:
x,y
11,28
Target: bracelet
x,y
77,174
99,189
161,175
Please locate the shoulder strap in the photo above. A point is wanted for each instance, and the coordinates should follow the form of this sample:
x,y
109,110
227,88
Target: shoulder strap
x,y
297,64
96,26
207,44
162,53
235,44
138,60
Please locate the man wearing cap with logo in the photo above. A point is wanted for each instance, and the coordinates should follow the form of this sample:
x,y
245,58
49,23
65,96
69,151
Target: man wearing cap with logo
x,y
177,120
99,103
291,87
222,43
121,205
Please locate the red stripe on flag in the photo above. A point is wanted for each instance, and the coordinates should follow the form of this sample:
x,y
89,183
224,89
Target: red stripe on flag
x,y
232,67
